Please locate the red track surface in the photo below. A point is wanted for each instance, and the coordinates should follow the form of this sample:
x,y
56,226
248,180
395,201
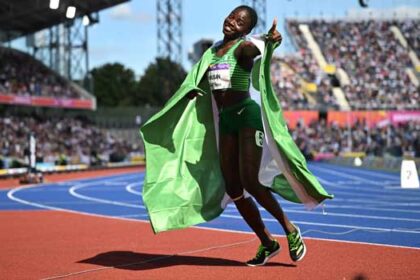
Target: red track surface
x,y
42,244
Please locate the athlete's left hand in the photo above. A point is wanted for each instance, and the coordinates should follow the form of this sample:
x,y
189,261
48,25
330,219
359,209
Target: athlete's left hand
x,y
273,35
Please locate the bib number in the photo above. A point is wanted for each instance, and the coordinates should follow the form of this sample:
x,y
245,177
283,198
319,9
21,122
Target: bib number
x,y
219,76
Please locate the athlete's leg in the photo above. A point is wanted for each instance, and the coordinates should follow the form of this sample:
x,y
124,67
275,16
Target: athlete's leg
x,y
229,161
250,157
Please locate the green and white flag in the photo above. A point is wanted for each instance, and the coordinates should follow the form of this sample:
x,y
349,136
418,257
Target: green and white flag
x,y
184,184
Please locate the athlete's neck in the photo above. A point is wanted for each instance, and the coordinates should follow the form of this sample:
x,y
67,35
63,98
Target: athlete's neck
x,y
229,41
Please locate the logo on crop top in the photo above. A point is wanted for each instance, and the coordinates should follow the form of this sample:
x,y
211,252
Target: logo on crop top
x,y
240,111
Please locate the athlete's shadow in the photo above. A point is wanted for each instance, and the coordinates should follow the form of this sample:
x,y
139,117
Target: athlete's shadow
x,y
143,261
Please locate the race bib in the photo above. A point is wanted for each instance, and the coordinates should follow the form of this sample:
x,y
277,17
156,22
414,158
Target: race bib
x,y
218,76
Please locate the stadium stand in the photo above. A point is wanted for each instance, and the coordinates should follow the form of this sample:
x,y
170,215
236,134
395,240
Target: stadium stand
x,y
411,32
300,84
288,84
395,140
374,60
21,74
62,141
317,83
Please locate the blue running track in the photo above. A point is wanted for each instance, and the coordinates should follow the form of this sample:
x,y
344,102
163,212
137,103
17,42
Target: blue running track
x,y
369,206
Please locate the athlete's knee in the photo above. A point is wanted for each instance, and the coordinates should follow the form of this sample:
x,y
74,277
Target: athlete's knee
x,y
254,188
234,191
238,198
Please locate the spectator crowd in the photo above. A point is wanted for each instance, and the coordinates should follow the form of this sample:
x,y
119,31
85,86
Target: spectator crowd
x,y
411,32
369,53
21,74
61,141
389,140
64,141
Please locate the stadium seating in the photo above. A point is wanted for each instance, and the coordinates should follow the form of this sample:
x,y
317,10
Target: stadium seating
x,y
306,67
394,140
21,74
374,60
411,32
61,141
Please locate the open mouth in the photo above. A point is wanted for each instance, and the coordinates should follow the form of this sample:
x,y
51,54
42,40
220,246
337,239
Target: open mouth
x,y
227,28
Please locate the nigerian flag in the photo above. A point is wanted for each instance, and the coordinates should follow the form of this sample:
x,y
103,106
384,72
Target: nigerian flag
x,y
183,184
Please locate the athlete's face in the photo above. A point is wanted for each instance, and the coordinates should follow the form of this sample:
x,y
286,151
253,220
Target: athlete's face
x,y
237,24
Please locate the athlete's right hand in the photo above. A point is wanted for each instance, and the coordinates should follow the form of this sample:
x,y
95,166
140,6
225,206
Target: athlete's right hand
x,y
273,35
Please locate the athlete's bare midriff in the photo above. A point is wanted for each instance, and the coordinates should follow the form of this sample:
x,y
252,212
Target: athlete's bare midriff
x,y
227,98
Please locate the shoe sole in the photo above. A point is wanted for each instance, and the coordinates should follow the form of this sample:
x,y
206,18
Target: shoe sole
x,y
275,253
304,247
303,254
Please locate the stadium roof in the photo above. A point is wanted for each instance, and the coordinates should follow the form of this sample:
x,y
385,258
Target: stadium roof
x,y
22,17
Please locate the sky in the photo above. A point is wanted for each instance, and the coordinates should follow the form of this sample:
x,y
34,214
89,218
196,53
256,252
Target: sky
x,y
127,33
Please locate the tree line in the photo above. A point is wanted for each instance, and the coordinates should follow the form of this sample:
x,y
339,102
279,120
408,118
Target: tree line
x,y
117,86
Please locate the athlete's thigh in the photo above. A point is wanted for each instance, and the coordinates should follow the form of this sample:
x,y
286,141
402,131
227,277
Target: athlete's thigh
x,y
250,151
229,162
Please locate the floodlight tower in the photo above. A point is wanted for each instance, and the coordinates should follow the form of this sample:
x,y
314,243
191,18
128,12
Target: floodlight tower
x,y
169,29
260,6
64,48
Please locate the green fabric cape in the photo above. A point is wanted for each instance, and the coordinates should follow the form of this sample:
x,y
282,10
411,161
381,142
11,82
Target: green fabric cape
x,y
183,185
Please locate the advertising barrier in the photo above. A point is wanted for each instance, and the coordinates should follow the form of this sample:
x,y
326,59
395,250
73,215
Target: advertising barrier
x,y
306,117
47,102
371,118
404,116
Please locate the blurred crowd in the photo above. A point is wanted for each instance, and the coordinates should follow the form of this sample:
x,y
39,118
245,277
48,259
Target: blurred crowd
x,y
374,60
61,141
305,66
367,51
411,32
297,88
391,140
74,140
21,74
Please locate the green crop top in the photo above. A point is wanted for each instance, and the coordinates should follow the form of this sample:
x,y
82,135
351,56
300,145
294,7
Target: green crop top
x,y
225,73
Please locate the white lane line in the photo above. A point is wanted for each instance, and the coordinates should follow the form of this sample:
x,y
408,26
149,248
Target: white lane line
x,y
354,216
115,183
347,183
76,187
329,213
130,186
73,192
362,202
315,238
130,189
382,197
383,190
385,197
356,178
78,202
367,172
328,206
11,195
334,225
133,215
